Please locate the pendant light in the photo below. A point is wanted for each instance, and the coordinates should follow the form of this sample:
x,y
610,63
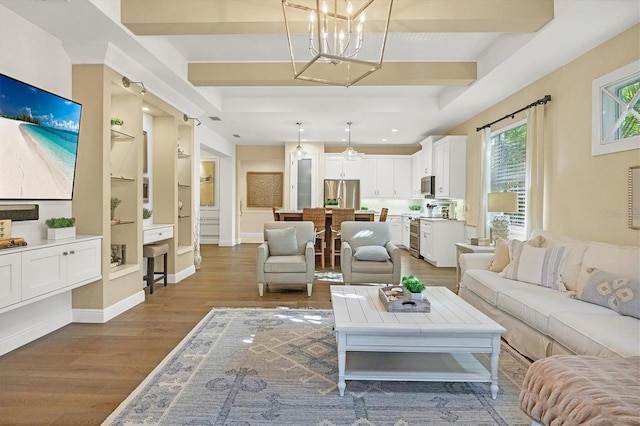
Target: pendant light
x,y
350,153
299,153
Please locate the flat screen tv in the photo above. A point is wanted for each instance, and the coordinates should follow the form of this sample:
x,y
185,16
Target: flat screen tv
x,y
38,142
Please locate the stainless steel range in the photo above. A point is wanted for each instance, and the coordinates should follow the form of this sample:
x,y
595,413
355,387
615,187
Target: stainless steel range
x,y
414,237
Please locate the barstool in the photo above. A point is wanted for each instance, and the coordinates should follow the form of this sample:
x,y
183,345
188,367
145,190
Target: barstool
x,y
151,251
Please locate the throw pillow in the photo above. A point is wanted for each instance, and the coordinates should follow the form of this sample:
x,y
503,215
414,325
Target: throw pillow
x,y
614,292
371,253
540,266
501,256
282,242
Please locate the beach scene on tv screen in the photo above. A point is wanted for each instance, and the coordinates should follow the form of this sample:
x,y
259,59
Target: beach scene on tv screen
x,y
38,142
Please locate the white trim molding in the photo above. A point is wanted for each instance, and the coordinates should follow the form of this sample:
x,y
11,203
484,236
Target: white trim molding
x,y
100,316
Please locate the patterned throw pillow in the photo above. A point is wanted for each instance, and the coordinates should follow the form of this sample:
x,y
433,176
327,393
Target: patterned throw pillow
x,y
614,292
282,242
540,266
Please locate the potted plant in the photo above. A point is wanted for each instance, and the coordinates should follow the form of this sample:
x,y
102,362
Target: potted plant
x,y
60,227
146,216
414,286
115,202
116,123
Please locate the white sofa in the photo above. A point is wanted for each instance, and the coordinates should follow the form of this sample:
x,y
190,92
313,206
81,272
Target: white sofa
x,y
542,321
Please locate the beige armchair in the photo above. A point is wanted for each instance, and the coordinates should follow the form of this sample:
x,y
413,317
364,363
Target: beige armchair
x,y
287,255
368,255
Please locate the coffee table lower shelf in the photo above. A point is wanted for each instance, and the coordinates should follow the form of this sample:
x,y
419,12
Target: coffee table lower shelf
x,y
424,367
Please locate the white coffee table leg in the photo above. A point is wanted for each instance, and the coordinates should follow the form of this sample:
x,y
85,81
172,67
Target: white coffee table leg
x,y
495,355
342,360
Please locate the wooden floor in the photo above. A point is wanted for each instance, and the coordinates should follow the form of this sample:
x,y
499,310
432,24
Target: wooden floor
x,y
80,373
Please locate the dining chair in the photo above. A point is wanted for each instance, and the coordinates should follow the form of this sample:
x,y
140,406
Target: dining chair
x,y
337,217
317,215
383,214
276,215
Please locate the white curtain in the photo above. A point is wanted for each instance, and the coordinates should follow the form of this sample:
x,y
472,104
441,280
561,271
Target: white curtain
x,y
485,141
535,169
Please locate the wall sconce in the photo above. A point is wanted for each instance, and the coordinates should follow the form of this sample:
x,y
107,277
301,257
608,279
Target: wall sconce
x,y
186,118
126,83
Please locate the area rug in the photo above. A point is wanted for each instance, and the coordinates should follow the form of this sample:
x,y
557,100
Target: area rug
x,y
279,367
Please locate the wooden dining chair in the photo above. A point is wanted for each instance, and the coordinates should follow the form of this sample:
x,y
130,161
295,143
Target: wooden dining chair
x,y
276,216
337,217
383,214
317,215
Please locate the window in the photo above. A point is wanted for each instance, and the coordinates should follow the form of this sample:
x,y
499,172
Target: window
x,y
616,111
507,169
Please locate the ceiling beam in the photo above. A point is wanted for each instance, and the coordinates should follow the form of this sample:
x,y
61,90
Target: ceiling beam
x,y
192,17
281,74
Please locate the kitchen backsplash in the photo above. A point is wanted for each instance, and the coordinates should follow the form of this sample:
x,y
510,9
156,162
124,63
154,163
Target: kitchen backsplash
x,y
402,206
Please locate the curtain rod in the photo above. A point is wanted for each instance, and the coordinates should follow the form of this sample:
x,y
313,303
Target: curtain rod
x,y
540,101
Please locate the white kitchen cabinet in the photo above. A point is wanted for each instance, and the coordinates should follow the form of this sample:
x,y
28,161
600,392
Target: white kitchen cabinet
x,y
406,232
427,155
385,177
338,167
396,229
449,166
438,238
53,268
10,279
416,174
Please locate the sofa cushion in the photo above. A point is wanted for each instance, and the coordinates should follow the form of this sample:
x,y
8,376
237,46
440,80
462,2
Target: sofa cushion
x,y
599,334
614,292
279,264
501,256
282,242
371,267
621,260
535,265
372,253
534,305
572,262
487,284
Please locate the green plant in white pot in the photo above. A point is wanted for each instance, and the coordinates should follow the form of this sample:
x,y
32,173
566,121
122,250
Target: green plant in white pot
x,y
146,216
414,286
60,227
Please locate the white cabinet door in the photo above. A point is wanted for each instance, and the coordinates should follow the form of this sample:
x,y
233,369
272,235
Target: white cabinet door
x,y
332,167
43,270
368,184
338,167
10,279
402,178
384,177
427,155
441,169
426,239
449,166
416,174
406,232
396,229
83,261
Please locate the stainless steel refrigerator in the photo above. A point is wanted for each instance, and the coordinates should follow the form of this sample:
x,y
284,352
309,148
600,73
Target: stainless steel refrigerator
x,y
345,192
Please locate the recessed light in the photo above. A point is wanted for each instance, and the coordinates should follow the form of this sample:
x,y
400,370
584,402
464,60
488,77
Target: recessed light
x,y
394,130
343,140
384,140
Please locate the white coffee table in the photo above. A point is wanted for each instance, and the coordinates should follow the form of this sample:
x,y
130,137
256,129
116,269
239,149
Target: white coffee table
x,y
438,346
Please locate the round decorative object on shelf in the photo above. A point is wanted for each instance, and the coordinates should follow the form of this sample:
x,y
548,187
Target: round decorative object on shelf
x,y
179,205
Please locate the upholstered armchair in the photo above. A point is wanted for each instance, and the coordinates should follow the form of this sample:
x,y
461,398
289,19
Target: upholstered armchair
x,y
368,255
287,254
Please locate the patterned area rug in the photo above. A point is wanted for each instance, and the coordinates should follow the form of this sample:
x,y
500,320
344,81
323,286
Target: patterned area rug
x,y
279,367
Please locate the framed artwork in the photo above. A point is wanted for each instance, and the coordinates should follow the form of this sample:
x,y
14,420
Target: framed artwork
x,y
118,254
264,189
634,197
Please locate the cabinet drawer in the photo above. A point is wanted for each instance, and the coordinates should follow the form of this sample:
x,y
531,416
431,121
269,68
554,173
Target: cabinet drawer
x,y
426,226
157,234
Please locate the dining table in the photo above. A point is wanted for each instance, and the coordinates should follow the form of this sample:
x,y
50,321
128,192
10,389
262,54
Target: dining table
x,y
360,215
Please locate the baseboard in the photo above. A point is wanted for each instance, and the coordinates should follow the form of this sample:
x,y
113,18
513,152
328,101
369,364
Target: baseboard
x,y
228,243
252,237
35,331
100,316
176,278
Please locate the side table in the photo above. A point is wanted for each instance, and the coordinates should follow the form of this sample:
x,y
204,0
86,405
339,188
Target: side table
x,y
468,248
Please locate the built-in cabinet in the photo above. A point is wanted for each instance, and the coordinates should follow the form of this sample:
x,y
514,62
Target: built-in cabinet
x,y
396,229
110,166
449,166
385,177
336,166
437,241
416,174
406,232
426,168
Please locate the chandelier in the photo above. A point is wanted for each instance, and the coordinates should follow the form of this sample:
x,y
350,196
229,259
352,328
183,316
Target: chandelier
x,y
327,42
299,152
350,153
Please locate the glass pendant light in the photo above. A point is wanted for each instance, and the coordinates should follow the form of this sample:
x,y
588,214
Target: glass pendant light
x,y
299,152
350,153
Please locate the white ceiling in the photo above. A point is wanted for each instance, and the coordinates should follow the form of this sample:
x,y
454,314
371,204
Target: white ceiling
x,y
91,32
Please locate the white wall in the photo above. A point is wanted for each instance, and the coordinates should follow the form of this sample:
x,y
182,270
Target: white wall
x,y
29,54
